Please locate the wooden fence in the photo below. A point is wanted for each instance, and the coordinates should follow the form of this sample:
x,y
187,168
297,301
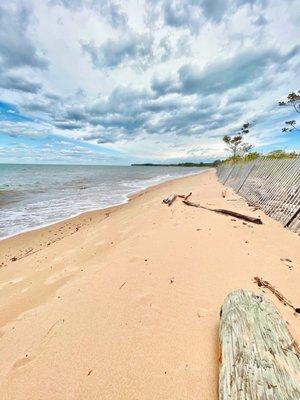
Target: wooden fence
x,y
271,185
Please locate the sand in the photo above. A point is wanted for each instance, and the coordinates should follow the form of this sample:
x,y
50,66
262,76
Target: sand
x,y
124,303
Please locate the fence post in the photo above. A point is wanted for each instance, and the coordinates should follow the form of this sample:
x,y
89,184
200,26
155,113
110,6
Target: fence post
x,y
292,218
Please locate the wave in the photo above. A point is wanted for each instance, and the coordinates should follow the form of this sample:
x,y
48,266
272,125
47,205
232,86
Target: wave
x,y
44,204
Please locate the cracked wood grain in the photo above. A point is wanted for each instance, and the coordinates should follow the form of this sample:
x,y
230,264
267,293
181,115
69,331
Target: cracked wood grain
x,y
259,358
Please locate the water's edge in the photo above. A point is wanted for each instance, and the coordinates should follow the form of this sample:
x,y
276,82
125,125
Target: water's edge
x,y
127,197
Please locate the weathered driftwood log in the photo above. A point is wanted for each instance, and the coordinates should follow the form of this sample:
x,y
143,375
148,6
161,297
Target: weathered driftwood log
x,y
259,358
254,220
169,200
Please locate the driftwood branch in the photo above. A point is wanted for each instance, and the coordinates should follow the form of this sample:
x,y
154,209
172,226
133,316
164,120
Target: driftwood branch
x,y
226,212
185,197
261,283
259,357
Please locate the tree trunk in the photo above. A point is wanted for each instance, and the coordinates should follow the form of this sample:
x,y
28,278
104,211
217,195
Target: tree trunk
x,y
259,358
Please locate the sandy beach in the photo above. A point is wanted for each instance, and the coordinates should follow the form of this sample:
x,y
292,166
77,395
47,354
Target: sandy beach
x,y
124,303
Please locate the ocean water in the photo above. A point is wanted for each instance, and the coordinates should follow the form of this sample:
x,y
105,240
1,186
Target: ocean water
x,y
32,196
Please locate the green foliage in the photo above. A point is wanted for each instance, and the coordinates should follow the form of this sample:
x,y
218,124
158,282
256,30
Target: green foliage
x,y
273,155
293,100
251,156
184,164
281,154
216,163
192,164
236,145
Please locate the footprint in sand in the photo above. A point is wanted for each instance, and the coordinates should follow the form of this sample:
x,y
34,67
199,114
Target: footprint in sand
x,y
21,362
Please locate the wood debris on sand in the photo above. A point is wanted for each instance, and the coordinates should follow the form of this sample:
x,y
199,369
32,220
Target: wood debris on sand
x,y
235,214
170,199
262,283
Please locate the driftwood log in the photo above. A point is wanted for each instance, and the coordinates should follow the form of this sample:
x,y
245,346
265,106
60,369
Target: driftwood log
x,y
259,358
254,220
169,200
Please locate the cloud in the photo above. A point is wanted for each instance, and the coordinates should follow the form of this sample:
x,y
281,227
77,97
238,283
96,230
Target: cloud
x,y
68,125
166,49
221,76
72,4
14,81
214,10
109,9
24,128
16,47
184,46
52,96
194,14
182,14
194,102
75,112
114,14
251,3
260,21
102,137
136,50
224,75
195,71
39,105
132,48
164,85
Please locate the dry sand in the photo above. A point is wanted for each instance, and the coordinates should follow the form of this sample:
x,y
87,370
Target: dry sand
x,y
124,303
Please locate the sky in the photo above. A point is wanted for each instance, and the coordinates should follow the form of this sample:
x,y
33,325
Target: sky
x,y
117,82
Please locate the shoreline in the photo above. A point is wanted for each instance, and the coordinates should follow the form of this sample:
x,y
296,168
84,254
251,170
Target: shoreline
x,y
127,198
124,302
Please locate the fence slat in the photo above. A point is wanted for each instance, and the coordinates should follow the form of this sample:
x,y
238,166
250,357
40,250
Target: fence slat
x,y
272,185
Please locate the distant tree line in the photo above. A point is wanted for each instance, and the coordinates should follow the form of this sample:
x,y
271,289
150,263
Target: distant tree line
x,y
183,164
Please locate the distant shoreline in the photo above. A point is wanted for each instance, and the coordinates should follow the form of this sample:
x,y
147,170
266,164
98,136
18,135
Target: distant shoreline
x,y
186,164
